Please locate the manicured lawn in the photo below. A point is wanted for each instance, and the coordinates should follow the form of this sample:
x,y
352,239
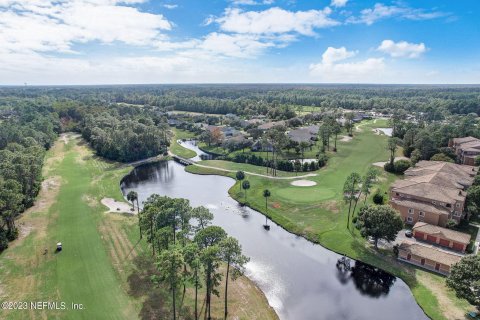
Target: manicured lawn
x,y
319,212
228,165
103,264
177,149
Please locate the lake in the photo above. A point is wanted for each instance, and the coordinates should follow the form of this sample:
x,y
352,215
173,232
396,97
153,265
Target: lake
x,y
301,280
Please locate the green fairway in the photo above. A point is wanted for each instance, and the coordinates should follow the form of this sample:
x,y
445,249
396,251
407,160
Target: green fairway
x,y
177,149
102,266
82,273
319,212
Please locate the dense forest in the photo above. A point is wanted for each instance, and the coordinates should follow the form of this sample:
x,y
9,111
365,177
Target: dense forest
x,y
434,100
24,137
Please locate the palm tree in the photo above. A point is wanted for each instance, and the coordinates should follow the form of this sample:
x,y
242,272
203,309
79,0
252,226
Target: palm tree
x,y
132,196
245,186
266,195
240,176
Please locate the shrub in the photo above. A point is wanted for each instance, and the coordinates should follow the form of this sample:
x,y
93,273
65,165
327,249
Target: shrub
x,y
441,157
389,167
12,234
401,166
378,197
3,240
451,224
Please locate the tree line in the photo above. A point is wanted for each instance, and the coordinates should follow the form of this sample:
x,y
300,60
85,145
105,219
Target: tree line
x,y
24,137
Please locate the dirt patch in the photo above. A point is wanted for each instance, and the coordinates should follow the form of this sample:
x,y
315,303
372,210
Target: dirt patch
x,y
346,139
448,308
330,205
90,200
117,206
46,197
303,183
276,205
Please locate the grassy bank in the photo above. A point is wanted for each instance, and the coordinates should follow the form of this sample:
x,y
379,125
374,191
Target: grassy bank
x,y
177,149
318,213
103,265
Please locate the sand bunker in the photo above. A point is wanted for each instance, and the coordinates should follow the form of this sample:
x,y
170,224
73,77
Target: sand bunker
x,y
346,138
382,163
117,206
303,183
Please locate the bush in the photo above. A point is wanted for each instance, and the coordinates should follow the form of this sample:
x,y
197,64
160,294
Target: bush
x,y
378,198
389,167
441,157
12,234
451,224
401,166
3,240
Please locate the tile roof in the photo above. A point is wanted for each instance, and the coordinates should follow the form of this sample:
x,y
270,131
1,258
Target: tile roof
x,y
443,232
429,253
421,206
430,191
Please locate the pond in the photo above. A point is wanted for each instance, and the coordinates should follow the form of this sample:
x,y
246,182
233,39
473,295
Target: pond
x,y
301,280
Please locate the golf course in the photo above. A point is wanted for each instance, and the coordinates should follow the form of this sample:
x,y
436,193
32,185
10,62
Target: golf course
x,y
101,271
318,212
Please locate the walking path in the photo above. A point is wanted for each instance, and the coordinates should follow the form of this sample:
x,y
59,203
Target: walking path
x,y
194,163
258,174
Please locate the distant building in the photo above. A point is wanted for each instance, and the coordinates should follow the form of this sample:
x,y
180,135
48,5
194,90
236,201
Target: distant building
x,y
307,134
261,146
466,149
270,125
432,192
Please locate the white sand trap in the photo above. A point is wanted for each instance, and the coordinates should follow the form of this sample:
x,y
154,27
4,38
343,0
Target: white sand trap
x,y
382,163
303,183
346,138
117,206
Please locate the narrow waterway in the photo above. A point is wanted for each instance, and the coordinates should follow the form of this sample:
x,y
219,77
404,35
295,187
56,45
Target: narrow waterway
x,y
301,280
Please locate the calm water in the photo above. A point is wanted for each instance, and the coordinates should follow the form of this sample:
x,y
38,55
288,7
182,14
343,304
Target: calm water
x,y
301,280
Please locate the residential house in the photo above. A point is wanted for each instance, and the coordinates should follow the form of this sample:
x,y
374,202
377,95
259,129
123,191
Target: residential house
x,y
427,257
269,125
432,192
448,238
466,149
261,146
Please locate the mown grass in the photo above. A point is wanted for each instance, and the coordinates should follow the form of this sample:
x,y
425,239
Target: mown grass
x,y
104,266
319,212
177,149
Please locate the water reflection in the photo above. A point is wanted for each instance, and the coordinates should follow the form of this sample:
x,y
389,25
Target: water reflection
x,y
368,280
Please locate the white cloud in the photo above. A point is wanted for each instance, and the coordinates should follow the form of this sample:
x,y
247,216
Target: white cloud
x,y
237,45
338,3
359,71
251,2
381,11
170,6
274,21
402,49
332,55
46,26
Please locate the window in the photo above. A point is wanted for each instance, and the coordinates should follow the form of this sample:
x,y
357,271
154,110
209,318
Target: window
x,y
409,219
411,211
397,194
434,202
457,205
449,205
421,214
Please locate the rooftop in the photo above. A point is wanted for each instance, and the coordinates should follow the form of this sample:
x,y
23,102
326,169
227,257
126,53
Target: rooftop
x,y
445,233
430,253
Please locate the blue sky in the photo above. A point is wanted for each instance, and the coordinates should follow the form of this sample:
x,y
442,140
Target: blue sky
x,y
237,41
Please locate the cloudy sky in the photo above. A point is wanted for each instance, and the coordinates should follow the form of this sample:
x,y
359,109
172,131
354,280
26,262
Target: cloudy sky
x,y
237,41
